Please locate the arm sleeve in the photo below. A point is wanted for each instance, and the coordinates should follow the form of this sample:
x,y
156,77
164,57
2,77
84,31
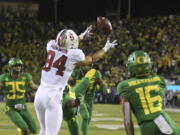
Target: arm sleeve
x,y
51,42
74,74
121,89
77,55
98,75
80,88
29,77
163,85
104,86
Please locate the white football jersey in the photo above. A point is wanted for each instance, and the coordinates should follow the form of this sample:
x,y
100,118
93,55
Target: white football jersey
x,y
59,64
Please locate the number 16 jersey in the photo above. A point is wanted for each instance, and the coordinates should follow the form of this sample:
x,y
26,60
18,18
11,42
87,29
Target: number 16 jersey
x,y
145,96
59,64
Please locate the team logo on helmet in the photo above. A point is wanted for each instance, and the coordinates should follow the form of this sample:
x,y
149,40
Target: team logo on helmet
x,y
141,60
139,63
67,39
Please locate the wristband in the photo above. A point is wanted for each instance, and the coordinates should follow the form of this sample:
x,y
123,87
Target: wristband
x,y
105,49
81,36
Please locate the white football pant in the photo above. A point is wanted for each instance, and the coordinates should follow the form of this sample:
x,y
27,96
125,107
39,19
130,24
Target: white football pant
x,y
48,108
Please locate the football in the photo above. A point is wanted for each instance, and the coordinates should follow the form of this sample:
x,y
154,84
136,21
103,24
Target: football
x,y
104,25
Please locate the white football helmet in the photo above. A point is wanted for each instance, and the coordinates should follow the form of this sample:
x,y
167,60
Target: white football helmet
x,y
67,38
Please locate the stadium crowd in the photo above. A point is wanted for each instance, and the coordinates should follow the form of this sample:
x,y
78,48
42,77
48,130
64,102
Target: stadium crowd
x,y
23,35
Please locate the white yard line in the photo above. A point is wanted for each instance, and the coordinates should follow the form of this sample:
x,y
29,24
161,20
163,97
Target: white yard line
x,y
112,127
172,110
106,119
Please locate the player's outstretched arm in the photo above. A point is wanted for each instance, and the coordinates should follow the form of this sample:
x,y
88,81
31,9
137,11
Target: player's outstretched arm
x,y
81,87
99,54
128,123
86,34
103,86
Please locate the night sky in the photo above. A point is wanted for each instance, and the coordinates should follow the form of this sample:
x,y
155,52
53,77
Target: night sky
x,y
87,10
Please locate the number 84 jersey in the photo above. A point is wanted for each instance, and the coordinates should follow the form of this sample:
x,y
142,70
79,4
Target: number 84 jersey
x,y
59,64
145,96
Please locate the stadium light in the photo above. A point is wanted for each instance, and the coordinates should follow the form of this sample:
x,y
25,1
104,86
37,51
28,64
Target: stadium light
x,y
129,9
56,10
119,10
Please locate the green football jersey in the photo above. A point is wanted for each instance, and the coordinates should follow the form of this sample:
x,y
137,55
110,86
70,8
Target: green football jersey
x,y
15,88
90,92
145,96
77,75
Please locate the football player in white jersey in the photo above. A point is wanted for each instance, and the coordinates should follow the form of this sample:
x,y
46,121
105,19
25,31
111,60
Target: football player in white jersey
x,y
63,56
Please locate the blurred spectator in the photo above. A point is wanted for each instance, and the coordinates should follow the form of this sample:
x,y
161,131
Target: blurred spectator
x,y
3,60
23,35
177,82
1,96
169,98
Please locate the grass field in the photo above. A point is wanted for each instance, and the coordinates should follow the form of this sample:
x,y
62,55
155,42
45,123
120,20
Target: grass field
x,y
107,120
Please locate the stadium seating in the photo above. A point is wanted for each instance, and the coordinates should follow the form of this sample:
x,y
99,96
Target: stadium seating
x,y
24,36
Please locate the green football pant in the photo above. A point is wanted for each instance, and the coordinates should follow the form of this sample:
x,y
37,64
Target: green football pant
x,y
150,128
73,126
81,87
86,113
85,110
22,119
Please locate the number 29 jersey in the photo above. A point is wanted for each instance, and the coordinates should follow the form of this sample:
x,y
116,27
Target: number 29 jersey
x,y
59,64
145,96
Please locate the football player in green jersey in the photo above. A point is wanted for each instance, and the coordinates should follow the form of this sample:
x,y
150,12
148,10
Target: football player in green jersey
x,y
143,94
87,97
71,103
70,109
15,84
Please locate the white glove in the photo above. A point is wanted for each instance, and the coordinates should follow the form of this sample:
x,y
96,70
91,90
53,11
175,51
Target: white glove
x,y
109,45
87,33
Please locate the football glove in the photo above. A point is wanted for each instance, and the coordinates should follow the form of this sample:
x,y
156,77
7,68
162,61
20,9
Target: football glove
x,y
87,33
90,73
109,45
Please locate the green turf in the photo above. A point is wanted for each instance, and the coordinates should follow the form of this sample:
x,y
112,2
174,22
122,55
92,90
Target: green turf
x,y
104,117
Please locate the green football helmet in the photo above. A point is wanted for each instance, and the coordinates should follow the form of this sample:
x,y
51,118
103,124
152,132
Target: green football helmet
x,y
14,62
139,64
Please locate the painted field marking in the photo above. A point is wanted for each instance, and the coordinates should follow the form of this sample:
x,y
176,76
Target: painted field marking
x,y
172,110
112,127
106,119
